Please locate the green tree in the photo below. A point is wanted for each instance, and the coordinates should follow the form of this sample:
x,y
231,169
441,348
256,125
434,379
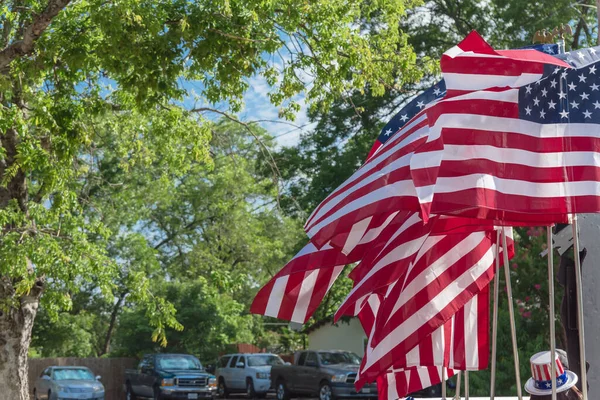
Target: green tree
x,y
212,320
217,221
71,72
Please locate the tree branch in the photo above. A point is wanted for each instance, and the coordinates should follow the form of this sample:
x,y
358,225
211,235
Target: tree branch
x,y
31,33
264,149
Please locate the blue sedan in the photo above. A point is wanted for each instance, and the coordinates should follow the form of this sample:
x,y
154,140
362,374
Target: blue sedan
x,y
58,383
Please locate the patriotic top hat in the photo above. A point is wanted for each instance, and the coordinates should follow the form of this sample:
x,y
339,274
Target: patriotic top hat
x,y
540,383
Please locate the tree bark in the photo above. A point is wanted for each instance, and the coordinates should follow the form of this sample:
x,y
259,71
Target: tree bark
x,y
16,323
112,323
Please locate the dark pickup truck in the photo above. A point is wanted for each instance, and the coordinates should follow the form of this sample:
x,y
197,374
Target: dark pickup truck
x,y
169,376
327,374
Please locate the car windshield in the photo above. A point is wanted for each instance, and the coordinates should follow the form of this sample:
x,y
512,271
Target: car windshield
x,y
73,374
339,358
261,361
179,363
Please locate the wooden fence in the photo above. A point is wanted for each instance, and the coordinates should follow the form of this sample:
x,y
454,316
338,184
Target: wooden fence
x,y
112,371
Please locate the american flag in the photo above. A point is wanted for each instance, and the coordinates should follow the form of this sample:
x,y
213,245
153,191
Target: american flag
x,y
527,153
435,92
448,272
398,382
462,343
384,184
391,255
296,291
351,225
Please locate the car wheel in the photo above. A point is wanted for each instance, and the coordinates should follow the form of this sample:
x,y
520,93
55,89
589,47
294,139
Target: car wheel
x,y
281,391
35,395
157,395
129,393
222,391
250,389
325,392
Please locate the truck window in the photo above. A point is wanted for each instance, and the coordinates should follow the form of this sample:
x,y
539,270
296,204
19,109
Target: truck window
x,y
233,361
311,359
178,362
302,358
243,361
264,360
223,361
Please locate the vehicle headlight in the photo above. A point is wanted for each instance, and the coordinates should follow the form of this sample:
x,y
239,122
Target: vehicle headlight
x,y
98,388
212,383
263,375
63,389
167,382
338,378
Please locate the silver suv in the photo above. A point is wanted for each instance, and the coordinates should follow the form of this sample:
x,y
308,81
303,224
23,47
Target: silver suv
x,y
249,373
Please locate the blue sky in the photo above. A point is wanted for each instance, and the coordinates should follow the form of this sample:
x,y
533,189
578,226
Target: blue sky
x,y
257,107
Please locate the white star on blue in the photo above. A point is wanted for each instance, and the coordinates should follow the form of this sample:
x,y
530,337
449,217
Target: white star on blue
x,y
569,95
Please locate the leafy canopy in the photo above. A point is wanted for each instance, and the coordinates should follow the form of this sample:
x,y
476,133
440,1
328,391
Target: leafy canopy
x,y
93,86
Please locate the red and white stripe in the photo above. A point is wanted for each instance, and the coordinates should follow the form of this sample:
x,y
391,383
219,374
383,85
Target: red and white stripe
x,y
295,297
381,186
384,264
462,343
389,258
384,183
397,383
481,161
445,276
474,65
296,291
541,368
487,163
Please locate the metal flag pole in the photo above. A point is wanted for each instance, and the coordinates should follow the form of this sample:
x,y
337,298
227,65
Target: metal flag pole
x,y
552,316
511,311
580,321
457,394
466,385
444,383
495,319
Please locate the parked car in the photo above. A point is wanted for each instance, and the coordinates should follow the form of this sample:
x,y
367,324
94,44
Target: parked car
x,y
328,374
170,376
249,373
68,383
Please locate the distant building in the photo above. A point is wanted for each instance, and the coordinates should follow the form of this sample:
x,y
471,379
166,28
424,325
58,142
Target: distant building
x,y
345,335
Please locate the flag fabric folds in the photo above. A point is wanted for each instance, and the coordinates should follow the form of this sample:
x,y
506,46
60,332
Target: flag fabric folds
x,y
460,344
384,184
296,291
507,138
528,153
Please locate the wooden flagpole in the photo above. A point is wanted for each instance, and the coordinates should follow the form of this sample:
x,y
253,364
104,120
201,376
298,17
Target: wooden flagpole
x,y
511,311
580,320
466,385
444,377
495,318
457,394
552,315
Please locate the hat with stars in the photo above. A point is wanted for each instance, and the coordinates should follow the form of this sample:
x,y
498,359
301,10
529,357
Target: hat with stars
x,y
540,382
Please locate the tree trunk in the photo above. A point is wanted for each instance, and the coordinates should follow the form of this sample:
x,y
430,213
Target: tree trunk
x,y
111,325
16,324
